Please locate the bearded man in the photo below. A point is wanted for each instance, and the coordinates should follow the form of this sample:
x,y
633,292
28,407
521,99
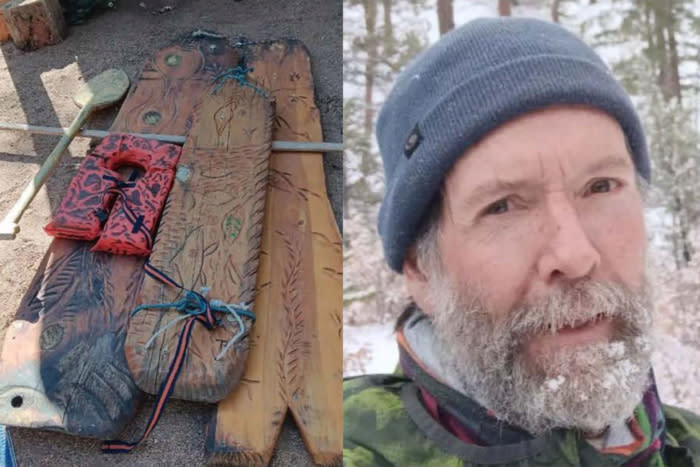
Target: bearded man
x,y
516,168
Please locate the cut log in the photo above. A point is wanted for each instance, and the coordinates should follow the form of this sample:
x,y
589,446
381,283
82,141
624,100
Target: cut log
x,y
34,23
63,365
295,360
4,32
209,236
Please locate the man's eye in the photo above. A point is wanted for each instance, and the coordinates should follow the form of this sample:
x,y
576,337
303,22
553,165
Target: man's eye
x,y
499,207
603,185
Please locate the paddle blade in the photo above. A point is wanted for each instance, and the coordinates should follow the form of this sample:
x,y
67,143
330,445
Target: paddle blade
x,y
104,89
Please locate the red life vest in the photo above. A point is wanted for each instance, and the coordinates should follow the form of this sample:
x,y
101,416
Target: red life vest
x,y
131,208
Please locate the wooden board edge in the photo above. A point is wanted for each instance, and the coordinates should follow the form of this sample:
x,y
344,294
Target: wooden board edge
x,y
220,454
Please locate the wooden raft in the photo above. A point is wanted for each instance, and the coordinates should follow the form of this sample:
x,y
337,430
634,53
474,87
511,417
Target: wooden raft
x,y
63,365
295,360
209,236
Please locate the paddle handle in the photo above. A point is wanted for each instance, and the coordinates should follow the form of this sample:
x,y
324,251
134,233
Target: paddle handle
x,y
10,224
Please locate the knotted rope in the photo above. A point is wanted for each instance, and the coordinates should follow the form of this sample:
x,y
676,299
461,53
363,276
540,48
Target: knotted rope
x,y
136,220
195,308
240,75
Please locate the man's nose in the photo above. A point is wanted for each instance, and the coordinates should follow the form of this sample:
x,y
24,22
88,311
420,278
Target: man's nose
x,y
568,253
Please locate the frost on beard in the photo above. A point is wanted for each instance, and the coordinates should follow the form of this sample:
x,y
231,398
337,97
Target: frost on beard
x,y
553,384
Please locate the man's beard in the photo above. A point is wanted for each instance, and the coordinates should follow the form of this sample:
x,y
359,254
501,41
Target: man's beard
x,y
586,387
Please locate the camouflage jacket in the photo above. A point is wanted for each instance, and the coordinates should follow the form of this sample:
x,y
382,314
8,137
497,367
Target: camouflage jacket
x,y
386,424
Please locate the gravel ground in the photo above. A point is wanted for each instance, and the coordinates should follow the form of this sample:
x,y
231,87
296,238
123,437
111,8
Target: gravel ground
x,y
37,88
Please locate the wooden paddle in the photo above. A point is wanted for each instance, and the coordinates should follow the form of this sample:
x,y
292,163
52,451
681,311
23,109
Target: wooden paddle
x,y
101,91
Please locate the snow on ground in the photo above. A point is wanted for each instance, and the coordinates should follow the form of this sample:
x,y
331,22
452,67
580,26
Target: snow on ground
x,y
677,370
369,349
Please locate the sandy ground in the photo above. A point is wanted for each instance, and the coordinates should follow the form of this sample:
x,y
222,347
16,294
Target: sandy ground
x,y
37,88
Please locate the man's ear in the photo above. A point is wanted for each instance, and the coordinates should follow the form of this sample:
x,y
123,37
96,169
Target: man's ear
x,y
416,281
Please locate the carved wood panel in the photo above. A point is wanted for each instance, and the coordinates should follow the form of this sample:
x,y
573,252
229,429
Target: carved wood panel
x,y
63,365
295,360
209,236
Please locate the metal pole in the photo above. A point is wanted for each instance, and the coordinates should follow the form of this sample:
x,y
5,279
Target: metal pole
x,y
282,146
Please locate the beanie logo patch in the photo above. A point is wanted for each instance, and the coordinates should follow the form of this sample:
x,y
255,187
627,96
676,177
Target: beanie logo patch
x,y
412,142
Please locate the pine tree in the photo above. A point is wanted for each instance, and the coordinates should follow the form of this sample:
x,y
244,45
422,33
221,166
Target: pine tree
x,y
376,48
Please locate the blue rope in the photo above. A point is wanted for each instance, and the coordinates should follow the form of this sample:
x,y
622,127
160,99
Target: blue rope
x,y
194,304
240,75
196,308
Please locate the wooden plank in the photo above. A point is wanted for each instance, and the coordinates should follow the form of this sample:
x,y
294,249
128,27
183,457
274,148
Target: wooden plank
x,y
34,23
171,84
63,365
296,350
209,237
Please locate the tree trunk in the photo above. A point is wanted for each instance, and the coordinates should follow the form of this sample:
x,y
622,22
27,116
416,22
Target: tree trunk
x,y
648,28
682,246
669,83
389,41
674,81
503,7
673,89
555,11
445,14
370,70
370,66
346,196
664,77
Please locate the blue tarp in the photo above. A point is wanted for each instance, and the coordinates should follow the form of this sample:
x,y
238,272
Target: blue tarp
x,y
7,451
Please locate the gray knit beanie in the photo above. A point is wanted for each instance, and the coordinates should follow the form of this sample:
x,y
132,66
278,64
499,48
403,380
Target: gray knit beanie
x,y
474,79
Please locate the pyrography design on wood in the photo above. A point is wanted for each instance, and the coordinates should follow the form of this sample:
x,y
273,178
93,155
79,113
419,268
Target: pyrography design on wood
x,y
295,361
60,363
209,237
63,364
171,83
